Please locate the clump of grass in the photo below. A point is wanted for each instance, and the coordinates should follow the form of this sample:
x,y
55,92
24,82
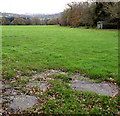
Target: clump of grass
x,y
80,79
23,80
96,81
38,79
15,84
63,77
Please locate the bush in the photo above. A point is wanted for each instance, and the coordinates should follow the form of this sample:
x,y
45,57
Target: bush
x,y
110,26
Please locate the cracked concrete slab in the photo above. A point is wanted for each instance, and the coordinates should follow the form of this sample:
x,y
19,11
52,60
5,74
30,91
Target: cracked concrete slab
x,y
103,88
22,102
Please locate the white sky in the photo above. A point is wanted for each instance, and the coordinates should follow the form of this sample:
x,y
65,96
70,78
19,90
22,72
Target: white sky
x,y
34,6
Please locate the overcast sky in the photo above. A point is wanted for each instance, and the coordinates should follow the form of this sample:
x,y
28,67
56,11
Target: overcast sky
x,y
34,6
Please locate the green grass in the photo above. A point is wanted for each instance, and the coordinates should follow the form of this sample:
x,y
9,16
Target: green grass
x,y
64,77
90,52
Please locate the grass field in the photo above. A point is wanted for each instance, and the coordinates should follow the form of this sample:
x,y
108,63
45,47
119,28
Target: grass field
x,y
93,53
30,49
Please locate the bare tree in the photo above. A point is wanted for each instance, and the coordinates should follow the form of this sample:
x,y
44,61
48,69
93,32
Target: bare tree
x,y
113,9
18,21
35,21
54,21
28,21
78,13
63,18
5,21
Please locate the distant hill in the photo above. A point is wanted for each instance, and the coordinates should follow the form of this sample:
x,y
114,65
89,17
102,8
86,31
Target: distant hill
x,y
31,15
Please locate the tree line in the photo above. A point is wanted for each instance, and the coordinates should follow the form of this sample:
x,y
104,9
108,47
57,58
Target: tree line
x,y
23,21
77,14
89,13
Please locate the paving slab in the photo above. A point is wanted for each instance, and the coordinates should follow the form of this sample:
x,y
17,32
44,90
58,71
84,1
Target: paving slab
x,y
22,102
103,88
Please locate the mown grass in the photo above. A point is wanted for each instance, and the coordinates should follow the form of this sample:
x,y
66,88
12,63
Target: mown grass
x,y
32,49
